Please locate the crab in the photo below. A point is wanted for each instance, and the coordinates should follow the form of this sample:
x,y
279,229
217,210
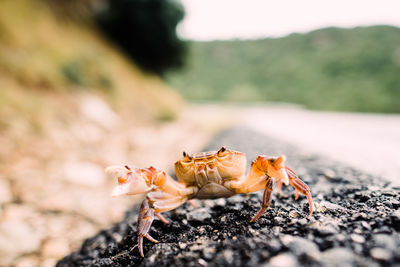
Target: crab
x,y
204,175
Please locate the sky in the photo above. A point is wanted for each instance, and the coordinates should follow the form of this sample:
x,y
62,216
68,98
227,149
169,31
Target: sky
x,y
248,19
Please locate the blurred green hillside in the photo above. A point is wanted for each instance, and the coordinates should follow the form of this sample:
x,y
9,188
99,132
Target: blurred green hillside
x,y
48,61
329,69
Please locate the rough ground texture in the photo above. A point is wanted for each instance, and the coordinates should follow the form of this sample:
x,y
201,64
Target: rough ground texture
x,y
356,222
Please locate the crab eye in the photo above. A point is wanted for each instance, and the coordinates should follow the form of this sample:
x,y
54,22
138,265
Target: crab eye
x,y
222,153
186,158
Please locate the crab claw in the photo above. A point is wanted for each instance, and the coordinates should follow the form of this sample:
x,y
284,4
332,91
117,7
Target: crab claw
x,y
280,170
131,181
120,190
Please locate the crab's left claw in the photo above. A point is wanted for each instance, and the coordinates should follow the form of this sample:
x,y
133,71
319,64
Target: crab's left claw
x,y
131,181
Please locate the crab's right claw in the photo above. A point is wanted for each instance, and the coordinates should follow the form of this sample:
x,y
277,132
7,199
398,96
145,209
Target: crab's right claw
x,y
131,181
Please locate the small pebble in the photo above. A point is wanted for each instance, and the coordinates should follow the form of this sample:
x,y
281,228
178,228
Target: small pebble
x,y
328,173
395,204
209,252
320,208
364,197
326,230
385,241
198,215
340,237
338,257
228,255
388,204
380,254
302,221
294,214
396,216
220,202
223,219
325,205
366,225
182,245
283,260
301,246
202,262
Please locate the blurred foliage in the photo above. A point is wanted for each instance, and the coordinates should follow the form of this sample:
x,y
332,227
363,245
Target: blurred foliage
x,y
75,10
39,51
86,72
330,69
146,31
43,60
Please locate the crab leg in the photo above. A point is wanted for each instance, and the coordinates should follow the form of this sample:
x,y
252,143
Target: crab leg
x,y
146,217
300,187
162,218
266,199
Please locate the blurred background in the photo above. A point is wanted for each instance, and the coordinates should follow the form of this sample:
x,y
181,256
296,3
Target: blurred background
x,y
89,83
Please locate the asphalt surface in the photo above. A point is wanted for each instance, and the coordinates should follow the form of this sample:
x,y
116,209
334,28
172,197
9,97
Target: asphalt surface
x,y
356,221
366,141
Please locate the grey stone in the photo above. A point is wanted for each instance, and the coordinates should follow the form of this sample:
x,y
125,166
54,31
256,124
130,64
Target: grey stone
x,y
396,216
301,246
357,238
326,230
282,260
385,241
328,173
380,254
329,206
366,225
338,257
209,252
228,255
198,214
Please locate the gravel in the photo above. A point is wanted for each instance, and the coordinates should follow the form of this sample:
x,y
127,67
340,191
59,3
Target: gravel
x,y
356,222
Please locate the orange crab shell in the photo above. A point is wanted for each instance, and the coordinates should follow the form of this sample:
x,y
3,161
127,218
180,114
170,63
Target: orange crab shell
x,y
228,163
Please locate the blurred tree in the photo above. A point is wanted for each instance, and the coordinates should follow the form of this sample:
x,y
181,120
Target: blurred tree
x,y
146,31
